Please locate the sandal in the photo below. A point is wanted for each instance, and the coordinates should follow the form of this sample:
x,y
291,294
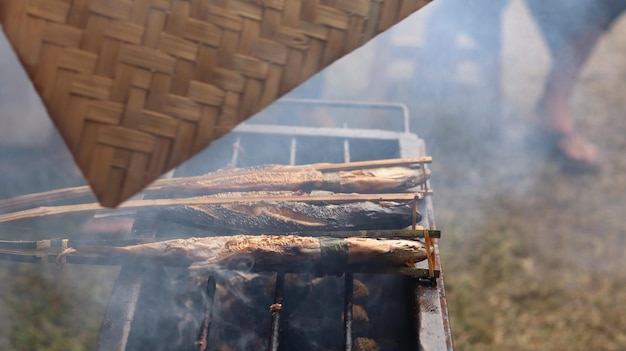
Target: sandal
x,y
566,150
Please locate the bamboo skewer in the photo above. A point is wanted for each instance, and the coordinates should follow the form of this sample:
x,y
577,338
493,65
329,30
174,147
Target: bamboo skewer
x,y
430,255
92,260
272,177
281,184
256,253
58,243
379,234
56,195
394,162
94,208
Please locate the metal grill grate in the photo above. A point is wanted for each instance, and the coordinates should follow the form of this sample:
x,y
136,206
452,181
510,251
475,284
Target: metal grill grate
x,y
137,317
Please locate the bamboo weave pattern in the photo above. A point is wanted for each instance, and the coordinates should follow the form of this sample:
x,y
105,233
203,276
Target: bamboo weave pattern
x,y
136,87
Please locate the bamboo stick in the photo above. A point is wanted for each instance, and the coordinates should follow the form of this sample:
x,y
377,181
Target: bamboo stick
x,y
58,243
271,177
94,208
382,234
245,252
52,196
395,162
111,261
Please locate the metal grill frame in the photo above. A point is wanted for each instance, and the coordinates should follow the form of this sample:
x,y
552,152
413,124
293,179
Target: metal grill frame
x,y
431,323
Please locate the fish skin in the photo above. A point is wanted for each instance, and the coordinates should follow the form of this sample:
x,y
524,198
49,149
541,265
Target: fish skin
x,y
285,217
206,254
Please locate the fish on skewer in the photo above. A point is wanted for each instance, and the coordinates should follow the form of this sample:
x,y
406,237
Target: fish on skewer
x,y
362,177
268,251
255,213
247,252
285,217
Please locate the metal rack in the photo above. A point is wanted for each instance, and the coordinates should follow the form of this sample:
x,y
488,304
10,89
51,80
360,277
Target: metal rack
x,y
130,324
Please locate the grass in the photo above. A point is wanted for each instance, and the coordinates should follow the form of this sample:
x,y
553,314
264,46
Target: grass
x,y
538,269
48,309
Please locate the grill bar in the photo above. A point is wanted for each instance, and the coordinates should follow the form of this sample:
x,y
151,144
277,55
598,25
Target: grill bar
x,y
292,151
275,310
347,311
117,322
432,318
236,149
349,279
397,108
203,340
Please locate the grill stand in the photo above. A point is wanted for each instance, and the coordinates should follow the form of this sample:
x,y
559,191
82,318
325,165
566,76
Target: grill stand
x,y
430,321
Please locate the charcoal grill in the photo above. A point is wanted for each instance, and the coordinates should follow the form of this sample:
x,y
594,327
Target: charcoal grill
x,y
139,316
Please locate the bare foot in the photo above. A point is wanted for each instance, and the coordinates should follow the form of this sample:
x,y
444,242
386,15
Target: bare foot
x,y
553,119
575,148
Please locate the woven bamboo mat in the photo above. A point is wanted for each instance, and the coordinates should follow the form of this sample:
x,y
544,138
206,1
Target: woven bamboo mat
x,y
136,87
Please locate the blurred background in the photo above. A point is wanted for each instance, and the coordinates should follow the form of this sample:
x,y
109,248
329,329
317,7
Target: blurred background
x,y
532,253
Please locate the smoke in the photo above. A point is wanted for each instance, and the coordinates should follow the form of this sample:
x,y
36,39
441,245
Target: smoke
x,y
501,200
23,119
241,263
471,73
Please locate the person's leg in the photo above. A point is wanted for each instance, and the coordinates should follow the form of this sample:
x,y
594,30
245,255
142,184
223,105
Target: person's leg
x,y
553,113
571,31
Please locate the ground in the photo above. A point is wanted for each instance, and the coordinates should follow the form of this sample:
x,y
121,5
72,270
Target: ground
x,y
532,255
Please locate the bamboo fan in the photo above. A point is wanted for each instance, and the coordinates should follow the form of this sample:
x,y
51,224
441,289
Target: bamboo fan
x,y
136,87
